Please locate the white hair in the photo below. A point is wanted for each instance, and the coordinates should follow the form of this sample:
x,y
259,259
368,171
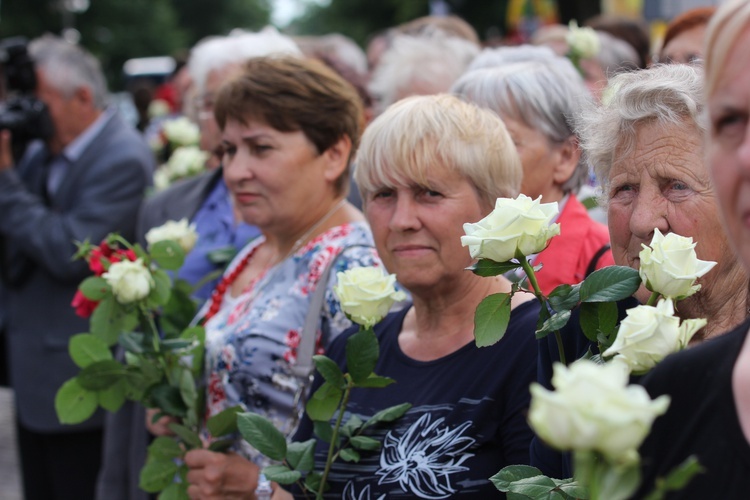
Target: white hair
x,y
219,52
68,67
432,60
615,55
665,94
498,56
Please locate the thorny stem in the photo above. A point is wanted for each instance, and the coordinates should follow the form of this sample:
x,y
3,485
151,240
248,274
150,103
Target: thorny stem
x,y
334,437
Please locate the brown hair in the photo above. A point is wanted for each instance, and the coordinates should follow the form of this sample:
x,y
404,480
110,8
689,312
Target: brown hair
x,y
292,94
687,21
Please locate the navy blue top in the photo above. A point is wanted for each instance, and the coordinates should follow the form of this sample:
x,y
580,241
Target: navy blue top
x,y
468,418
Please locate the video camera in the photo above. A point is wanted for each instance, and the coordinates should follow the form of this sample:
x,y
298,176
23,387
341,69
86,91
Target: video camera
x,y
21,112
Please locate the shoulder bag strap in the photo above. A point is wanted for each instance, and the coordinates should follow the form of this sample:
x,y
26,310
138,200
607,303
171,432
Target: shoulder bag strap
x,y
595,259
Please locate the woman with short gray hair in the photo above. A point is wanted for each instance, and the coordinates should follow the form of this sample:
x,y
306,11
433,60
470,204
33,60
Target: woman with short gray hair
x,y
538,100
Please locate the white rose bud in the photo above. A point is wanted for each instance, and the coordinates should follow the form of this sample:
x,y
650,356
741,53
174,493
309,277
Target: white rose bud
x,y
520,223
186,161
670,266
161,178
593,409
179,231
130,281
648,334
584,42
366,294
182,131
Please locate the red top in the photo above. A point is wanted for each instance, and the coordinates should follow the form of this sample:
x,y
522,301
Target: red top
x,y
569,254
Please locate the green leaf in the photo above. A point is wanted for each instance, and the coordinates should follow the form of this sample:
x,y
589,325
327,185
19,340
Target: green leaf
x,y
589,319
222,256
112,398
323,430
608,316
376,381
73,403
388,414
168,399
312,481
110,318
156,475
178,312
324,402
677,479
194,334
101,375
487,268
262,434
168,254
221,446
94,288
362,352
162,287
188,436
511,473
131,341
281,474
564,297
175,491
365,443
352,425
572,488
164,448
188,392
176,345
610,284
329,370
534,487
224,423
553,324
598,318
86,349
349,455
301,456
491,319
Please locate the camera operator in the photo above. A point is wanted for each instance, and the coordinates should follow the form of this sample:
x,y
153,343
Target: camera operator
x,y
85,181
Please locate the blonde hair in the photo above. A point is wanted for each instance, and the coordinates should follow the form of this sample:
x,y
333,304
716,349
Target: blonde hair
x,y
402,145
725,27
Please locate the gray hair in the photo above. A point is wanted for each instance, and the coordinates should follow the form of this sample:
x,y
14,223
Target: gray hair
x,y
666,94
500,56
545,95
615,56
433,59
68,67
222,51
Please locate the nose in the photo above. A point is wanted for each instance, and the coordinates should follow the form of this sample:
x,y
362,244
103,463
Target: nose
x,y
236,168
649,212
405,215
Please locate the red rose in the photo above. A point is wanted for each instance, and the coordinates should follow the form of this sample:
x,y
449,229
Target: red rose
x,y
95,261
84,307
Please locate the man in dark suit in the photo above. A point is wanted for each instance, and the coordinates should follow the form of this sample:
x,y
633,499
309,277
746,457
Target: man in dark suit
x,y
86,181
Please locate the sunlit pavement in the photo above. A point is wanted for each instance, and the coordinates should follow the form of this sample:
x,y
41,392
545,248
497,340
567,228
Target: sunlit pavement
x,y
10,483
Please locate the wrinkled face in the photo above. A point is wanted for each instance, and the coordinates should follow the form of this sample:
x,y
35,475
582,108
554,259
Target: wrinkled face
x,y
685,48
728,145
664,184
276,178
418,231
539,158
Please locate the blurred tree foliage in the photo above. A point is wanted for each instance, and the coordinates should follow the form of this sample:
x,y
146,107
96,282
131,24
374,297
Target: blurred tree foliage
x,y
117,30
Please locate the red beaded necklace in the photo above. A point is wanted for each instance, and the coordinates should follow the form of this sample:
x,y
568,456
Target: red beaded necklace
x,y
217,296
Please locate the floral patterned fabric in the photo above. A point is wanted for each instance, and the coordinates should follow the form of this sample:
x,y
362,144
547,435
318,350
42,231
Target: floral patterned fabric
x,y
252,341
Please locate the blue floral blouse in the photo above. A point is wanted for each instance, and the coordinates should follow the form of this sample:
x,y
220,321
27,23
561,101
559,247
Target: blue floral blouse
x,y
252,341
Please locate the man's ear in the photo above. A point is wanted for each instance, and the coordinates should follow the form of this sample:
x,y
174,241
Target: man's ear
x,y
84,95
569,154
337,158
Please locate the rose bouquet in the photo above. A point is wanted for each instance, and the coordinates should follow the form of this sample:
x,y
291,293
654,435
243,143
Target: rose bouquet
x,y
580,415
366,295
177,152
136,305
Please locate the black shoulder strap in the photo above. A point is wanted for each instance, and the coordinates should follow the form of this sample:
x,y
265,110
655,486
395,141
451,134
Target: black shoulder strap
x,y
595,259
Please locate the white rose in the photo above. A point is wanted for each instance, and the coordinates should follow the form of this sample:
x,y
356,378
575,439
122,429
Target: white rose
x,y
648,334
182,131
186,161
584,42
366,294
670,266
179,231
593,409
130,281
522,224
158,108
161,178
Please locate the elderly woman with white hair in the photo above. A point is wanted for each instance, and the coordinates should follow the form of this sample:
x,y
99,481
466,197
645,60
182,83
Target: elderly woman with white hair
x,y
647,146
538,101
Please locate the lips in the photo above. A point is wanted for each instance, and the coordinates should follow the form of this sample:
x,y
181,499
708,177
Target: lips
x,y
245,198
410,250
